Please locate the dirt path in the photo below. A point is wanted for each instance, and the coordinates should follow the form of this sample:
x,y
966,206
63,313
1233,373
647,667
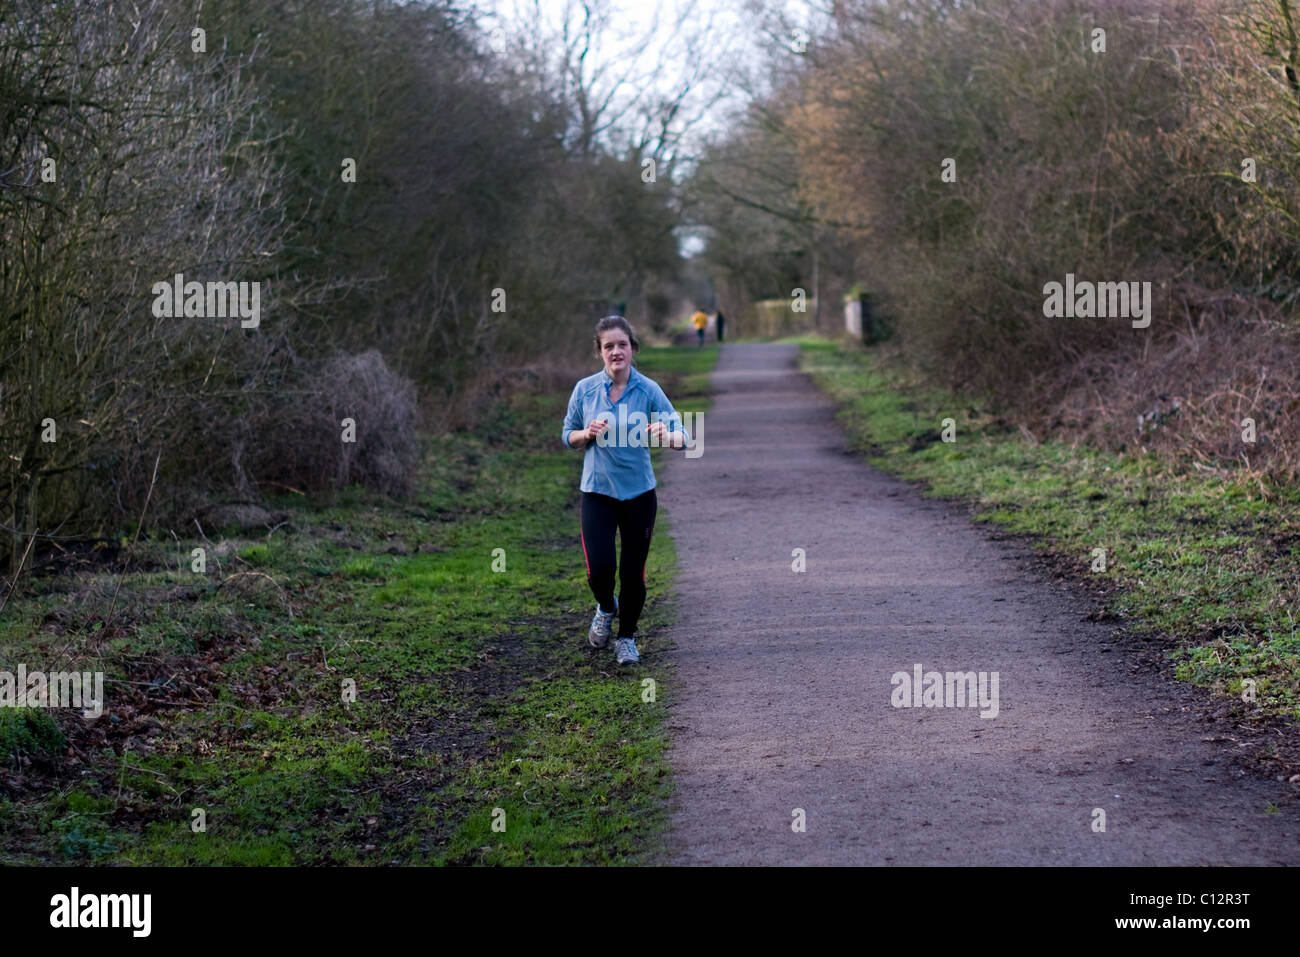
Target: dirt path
x,y
783,697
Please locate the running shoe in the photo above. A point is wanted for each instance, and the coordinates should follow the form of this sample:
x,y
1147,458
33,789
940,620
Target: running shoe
x,y
598,634
625,649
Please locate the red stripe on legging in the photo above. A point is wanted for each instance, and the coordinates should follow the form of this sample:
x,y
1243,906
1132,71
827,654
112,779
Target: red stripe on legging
x,y
584,552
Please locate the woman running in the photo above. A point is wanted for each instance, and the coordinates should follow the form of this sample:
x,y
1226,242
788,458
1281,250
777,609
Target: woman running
x,y
617,481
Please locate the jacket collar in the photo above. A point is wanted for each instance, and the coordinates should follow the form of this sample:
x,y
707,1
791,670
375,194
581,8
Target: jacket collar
x,y
608,383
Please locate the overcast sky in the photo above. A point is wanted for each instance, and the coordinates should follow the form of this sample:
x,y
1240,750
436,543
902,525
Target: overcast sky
x,y
726,33
720,47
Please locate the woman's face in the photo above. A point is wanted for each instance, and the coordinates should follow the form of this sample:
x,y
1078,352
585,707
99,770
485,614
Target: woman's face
x,y
616,350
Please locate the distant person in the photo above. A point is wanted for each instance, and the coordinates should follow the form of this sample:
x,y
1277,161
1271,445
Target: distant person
x,y
618,482
699,321
721,321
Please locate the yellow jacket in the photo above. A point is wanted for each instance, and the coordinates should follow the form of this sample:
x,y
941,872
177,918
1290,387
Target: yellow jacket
x,y
699,320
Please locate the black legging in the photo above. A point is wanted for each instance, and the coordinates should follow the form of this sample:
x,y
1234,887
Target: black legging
x,y
635,520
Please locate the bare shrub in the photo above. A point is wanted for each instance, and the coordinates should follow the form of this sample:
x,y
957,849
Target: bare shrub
x,y
299,434
1188,392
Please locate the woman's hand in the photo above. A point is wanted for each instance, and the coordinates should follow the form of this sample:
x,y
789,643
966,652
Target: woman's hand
x,y
659,432
595,427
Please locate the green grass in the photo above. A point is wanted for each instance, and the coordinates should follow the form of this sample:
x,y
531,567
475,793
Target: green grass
x,y
27,731
459,619
1205,560
687,368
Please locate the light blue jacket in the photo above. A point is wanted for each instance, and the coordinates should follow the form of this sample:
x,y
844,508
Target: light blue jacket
x,y
618,463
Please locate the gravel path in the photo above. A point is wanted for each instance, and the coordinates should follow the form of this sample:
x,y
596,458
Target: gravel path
x,y
783,690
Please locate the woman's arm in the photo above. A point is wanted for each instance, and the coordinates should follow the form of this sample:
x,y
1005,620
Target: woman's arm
x,y
572,420
585,437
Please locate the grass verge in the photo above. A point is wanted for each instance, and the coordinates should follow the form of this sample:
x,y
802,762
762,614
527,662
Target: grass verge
x,y
1201,558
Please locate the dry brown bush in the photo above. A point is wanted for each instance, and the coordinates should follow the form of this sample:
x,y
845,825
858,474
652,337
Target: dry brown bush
x,y
297,439
1233,358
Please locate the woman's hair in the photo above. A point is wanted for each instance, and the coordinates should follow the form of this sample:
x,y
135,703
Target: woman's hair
x,y
614,322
